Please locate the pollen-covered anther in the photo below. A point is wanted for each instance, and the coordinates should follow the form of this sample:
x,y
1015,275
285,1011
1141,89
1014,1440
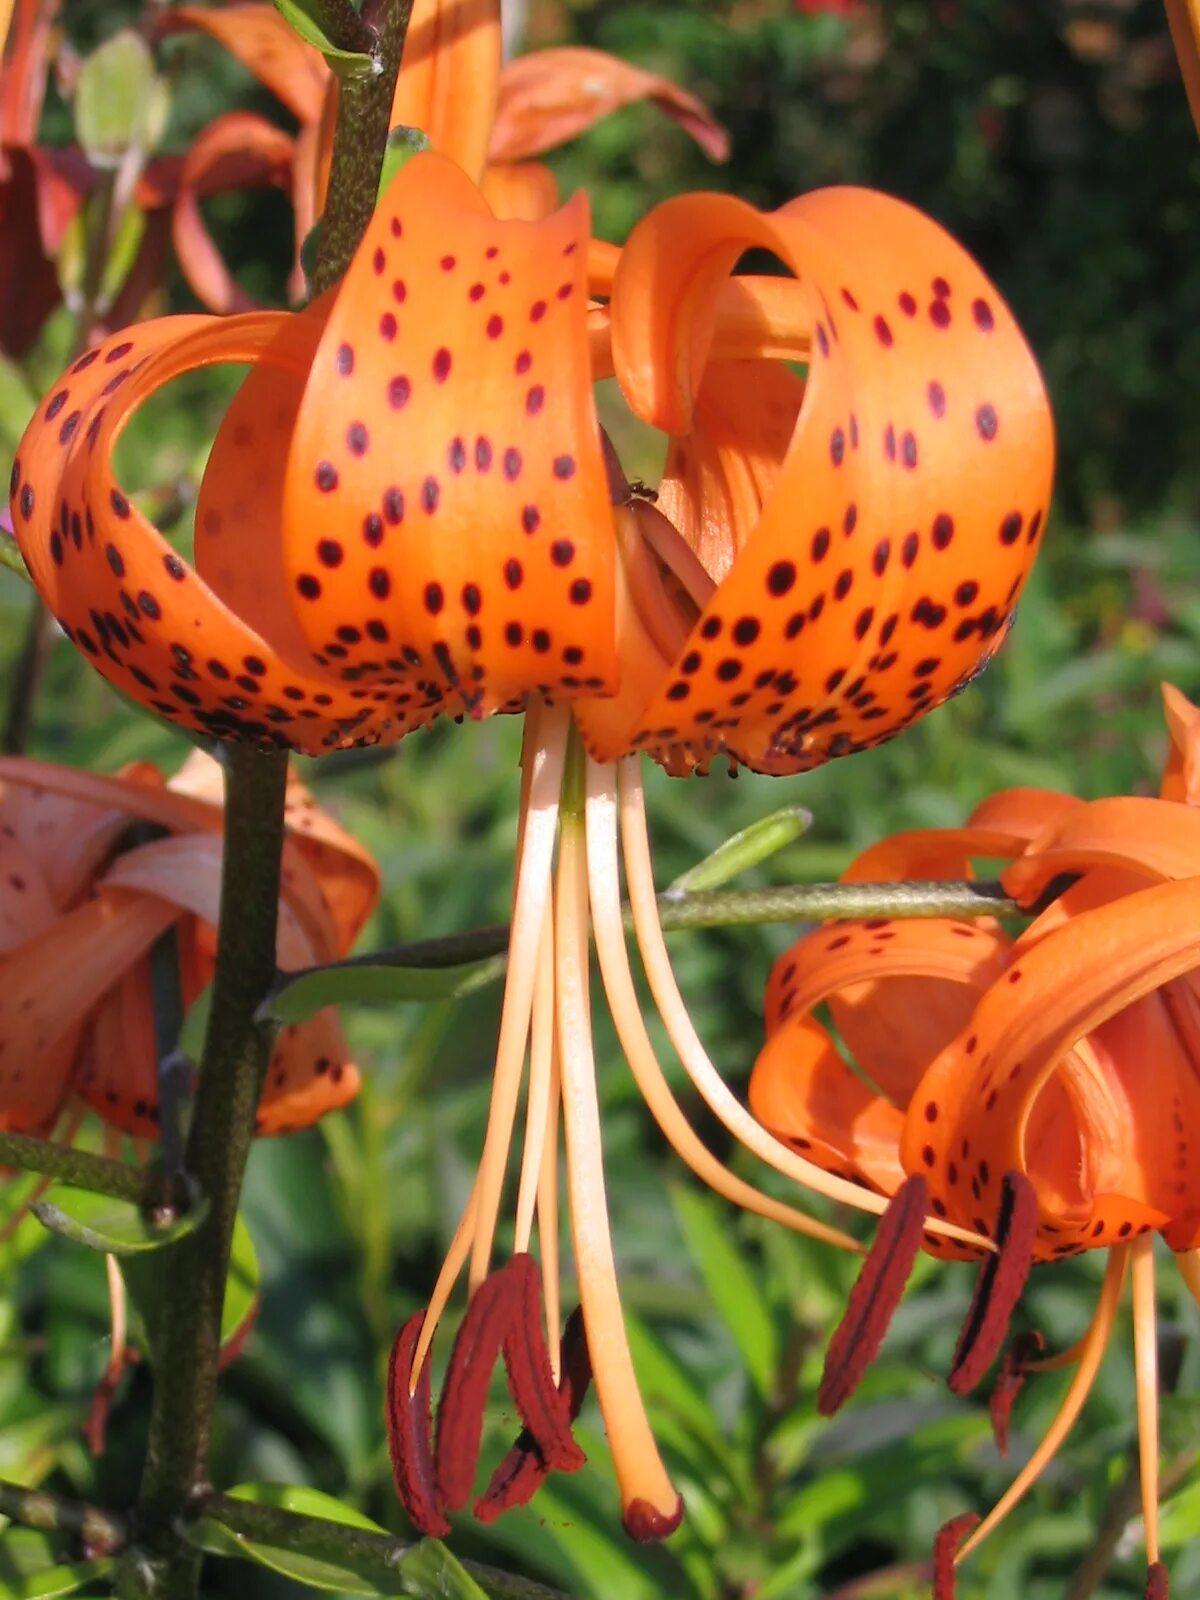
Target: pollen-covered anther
x,y
1156,1583
875,1295
945,1548
525,1468
999,1285
504,1318
1026,1347
410,1430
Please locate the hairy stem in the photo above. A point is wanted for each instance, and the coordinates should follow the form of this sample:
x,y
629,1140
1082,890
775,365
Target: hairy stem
x,y
102,1532
341,25
86,1171
236,1052
237,1047
718,908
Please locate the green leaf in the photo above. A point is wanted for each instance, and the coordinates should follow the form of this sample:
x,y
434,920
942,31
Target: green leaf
x,y
430,1572
118,100
57,1580
403,144
310,992
117,1227
744,850
304,1502
345,63
241,1287
733,1286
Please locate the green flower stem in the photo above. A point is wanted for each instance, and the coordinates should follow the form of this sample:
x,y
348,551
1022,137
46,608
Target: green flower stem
x,y
720,908
335,1542
83,1170
364,120
103,1533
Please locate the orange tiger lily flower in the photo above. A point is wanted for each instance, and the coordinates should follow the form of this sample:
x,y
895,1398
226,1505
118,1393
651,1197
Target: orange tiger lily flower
x,y
79,898
488,117
1039,1090
434,531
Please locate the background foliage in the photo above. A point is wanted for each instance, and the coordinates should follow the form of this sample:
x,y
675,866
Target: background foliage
x,y
1055,140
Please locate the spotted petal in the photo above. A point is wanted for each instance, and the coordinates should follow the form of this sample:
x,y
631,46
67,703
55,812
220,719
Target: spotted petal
x,y
908,507
446,517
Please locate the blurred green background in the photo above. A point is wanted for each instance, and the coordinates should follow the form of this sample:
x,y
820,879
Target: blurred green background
x,y
1054,138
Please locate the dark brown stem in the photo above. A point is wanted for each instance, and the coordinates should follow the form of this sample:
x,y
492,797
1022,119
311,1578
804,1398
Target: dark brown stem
x,y
363,124
237,1050
342,25
100,1531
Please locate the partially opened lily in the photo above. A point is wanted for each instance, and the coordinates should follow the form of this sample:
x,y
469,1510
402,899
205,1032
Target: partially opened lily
x,y
488,117
84,903
408,511
1043,1090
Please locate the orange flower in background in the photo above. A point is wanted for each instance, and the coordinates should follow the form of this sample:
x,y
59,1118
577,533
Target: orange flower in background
x,y
486,117
1040,1090
408,510
83,901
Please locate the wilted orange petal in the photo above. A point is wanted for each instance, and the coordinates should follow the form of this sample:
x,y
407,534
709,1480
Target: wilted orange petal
x,y
262,154
50,983
455,516
550,96
264,43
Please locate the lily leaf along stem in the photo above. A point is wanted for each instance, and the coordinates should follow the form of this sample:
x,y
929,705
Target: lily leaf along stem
x,y
149,1189
372,1554
713,908
238,1046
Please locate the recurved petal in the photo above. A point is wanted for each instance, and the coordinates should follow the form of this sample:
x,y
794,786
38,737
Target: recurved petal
x,y
1022,1088
448,77
265,45
1153,838
806,1095
49,984
1181,776
446,517
921,460
550,96
932,853
898,990
1184,18
310,1073
237,150
125,598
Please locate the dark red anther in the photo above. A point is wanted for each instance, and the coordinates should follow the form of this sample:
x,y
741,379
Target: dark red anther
x,y
524,1469
875,1295
1026,1347
945,1548
410,1432
1156,1583
999,1284
481,1335
530,1378
646,1524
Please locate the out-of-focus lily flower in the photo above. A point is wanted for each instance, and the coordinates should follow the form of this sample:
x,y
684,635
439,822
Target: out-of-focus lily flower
x,y
487,117
41,190
82,902
434,530
1043,1091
